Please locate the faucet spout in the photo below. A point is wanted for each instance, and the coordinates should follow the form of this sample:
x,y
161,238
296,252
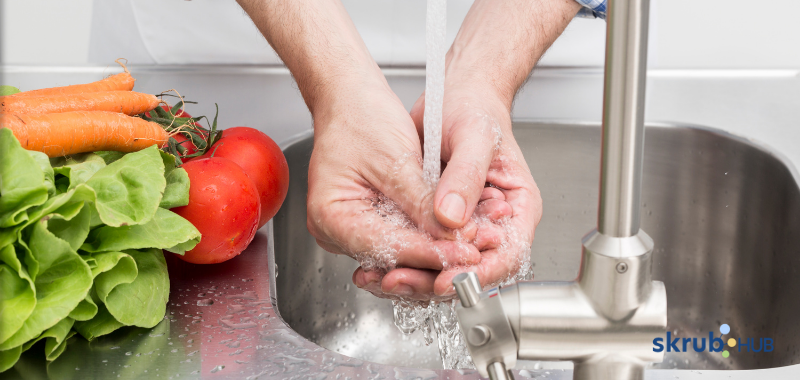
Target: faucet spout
x,y
623,117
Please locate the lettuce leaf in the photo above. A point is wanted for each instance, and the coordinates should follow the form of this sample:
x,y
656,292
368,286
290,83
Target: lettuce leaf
x,y
129,189
63,281
103,323
8,90
49,176
22,186
176,193
166,230
142,302
9,357
55,338
18,298
85,310
77,168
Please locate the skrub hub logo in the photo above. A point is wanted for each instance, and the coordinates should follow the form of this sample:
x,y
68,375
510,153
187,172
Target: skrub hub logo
x,y
713,344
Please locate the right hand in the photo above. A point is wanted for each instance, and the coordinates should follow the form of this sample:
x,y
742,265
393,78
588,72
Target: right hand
x,y
365,154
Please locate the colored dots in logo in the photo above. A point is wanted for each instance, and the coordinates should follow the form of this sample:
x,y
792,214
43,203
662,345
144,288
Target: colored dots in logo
x,y
724,329
725,354
732,342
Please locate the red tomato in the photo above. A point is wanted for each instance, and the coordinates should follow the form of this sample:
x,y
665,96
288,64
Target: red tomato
x,y
262,160
224,206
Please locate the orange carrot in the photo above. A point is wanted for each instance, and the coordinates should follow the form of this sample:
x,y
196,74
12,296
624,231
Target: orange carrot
x,y
60,134
119,82
127,102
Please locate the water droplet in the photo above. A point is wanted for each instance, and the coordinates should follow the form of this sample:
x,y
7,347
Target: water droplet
x,y
205,302
217,368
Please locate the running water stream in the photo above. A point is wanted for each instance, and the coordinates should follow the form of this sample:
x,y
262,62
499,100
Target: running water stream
x,y
435,34
410,316
440,317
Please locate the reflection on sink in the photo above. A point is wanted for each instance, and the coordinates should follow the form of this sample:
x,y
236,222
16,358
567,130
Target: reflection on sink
x,y
724,215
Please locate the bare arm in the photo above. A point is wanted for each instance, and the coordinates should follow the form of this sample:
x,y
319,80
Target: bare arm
x,y
500,42
321,47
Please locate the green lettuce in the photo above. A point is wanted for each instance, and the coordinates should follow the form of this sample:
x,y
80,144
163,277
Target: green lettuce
x,y
81,241
62,281
8,90
166,230
129,189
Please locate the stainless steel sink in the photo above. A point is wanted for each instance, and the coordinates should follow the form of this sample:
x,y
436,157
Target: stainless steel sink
x,y
724,214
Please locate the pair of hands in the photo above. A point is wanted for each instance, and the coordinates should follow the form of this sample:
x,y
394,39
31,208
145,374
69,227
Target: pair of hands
x,y
367,198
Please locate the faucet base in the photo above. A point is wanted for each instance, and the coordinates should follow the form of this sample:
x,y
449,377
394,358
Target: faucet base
x,y
609,368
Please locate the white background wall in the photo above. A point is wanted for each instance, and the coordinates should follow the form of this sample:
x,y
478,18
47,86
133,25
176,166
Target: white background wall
x,y
685,34
45,31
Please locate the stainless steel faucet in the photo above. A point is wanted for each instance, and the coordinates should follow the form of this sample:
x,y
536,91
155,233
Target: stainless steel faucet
x,y
605,320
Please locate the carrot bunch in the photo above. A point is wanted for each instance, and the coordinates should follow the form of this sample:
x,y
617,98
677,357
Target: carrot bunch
x,y
85,117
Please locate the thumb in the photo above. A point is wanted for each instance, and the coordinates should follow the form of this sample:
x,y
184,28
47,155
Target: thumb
x,y
472,148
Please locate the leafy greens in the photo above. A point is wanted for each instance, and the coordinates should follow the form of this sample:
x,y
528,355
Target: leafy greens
x,y
81,241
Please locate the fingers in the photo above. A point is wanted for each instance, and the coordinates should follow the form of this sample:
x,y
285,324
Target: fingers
x,y
410,283
472,146
417,115
364,279
404,185
494,209
495,267
490,236
419,253
492,193
362,231
405,283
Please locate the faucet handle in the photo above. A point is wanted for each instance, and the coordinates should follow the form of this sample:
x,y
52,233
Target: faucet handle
x,y
468,288
497,371
485,326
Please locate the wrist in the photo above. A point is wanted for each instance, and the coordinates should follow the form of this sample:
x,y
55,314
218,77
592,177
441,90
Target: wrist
x,y
500,42
334,93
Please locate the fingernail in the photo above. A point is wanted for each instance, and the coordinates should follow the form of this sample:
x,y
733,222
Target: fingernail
x,y
453,207
402,290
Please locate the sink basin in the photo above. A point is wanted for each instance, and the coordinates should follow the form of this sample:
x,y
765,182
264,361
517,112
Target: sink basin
x,y
724,214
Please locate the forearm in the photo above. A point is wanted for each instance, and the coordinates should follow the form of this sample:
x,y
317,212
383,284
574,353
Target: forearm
x,y
321,47
500,41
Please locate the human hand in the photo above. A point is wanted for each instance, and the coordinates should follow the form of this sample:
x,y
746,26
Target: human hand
x,y
367,198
